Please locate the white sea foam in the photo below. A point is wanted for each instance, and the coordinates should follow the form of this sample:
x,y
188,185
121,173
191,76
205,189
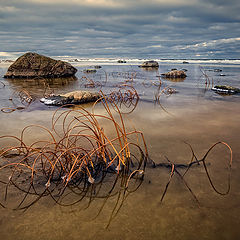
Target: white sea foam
x,y
47,101
80,61
136,61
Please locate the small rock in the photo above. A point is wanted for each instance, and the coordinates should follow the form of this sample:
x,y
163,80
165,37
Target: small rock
x,y
76,97
89,70
121,61
150,64
175,74
225,89
217,70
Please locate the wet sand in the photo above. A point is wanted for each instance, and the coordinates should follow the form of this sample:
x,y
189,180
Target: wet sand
x,y
195,115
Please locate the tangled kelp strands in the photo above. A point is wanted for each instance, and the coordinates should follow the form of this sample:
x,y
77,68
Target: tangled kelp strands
x,y
126,98
89,83
96,79
79,160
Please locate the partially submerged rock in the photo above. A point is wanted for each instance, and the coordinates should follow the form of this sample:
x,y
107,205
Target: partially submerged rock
x,y
217,70
225,89
31,65
175,74
76,97
89,70
121,61
150,64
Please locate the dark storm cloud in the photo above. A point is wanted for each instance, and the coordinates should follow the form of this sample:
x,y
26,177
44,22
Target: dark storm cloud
x,y
176,29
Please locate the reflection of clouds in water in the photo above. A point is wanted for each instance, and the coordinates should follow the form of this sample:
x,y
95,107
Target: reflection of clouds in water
x,y
38,86
175,79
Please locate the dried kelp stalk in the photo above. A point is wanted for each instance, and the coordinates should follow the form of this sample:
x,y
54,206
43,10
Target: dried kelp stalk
x,y
23,97
199,162
126,97
3,84
78,160
167,91
208,81
90,83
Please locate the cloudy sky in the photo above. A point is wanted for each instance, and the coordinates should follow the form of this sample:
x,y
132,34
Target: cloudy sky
x,y
121,28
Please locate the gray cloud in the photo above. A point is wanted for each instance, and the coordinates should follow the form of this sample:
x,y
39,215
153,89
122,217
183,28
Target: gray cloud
x,y
172,29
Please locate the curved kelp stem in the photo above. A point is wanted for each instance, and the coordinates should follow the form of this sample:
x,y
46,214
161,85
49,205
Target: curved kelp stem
x,y
175,167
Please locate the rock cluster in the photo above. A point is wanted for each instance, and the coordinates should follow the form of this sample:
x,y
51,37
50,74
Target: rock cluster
x,y
31,65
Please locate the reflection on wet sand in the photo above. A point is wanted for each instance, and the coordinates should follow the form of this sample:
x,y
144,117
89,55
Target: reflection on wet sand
x,y
175,79
150,69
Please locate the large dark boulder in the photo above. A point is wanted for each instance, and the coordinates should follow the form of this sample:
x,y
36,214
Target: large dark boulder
x,y
31,65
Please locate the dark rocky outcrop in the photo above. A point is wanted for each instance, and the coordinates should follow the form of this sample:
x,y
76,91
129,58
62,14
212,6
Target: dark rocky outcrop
x,y
76,97
32,65
175,74
150,64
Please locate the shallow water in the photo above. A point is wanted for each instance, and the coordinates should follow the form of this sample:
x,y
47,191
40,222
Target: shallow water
x,y
194,114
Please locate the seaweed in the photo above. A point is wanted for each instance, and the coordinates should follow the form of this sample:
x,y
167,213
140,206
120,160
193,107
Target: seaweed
x,y
76,161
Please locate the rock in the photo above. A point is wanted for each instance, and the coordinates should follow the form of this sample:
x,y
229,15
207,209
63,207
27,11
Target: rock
x,y
217,70
225,89
76,97
31,65
151,64
175,74
89,70
121,61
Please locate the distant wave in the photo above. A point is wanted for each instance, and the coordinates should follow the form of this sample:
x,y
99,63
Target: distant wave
x,y
135,61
